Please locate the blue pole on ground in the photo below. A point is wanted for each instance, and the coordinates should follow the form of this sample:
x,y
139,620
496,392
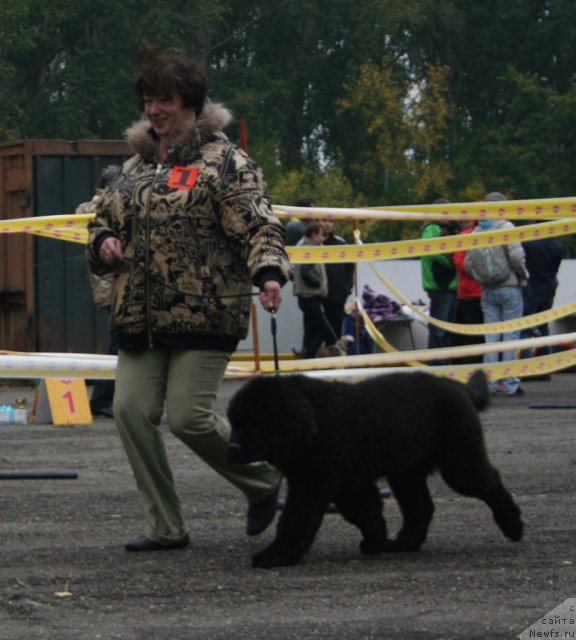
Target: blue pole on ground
x,y
38,475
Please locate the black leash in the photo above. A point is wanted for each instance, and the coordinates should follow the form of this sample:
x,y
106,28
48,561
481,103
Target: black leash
x,y
274,341
210,297
160,280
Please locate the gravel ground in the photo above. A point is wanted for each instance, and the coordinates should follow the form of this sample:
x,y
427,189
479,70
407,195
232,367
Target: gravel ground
x,y
64,574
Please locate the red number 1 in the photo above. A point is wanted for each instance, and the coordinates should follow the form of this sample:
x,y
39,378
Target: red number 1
x,y
69,396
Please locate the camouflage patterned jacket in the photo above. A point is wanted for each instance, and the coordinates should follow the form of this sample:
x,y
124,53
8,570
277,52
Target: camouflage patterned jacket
x,y
197,233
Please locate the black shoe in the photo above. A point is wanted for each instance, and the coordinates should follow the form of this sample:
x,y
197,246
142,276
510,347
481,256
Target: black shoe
x,y
299,353
105,412
145,544
261,513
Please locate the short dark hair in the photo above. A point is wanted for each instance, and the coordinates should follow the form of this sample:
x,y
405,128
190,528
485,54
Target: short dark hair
x,y
495,196
313,227
305,202
171,71
451,227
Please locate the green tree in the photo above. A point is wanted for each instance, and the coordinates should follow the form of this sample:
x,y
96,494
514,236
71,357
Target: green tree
x,y
472,95
68,66
406,125
282,69
329,188
510,68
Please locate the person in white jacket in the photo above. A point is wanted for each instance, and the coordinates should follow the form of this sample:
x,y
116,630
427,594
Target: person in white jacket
x,y
310,287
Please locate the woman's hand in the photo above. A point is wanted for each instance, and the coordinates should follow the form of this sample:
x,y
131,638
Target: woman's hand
x,y
111,251
271,295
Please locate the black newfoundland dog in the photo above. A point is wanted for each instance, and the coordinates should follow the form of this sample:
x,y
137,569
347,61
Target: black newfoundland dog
x,y
334,440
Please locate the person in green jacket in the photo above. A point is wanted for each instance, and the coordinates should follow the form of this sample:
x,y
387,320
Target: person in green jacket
x,y
440,281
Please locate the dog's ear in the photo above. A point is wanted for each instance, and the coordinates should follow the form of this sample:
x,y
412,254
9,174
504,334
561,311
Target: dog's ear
x,y
278,413
290,417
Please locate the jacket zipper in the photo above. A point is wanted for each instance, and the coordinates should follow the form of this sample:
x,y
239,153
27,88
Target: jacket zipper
x,y
147,257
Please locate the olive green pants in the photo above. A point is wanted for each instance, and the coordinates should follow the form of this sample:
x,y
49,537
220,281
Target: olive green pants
x,y
185,383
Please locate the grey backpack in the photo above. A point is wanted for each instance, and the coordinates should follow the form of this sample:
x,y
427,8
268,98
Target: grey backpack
x,y
489,265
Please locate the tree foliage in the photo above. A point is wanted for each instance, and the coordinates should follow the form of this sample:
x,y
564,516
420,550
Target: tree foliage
x,y
406,127
401,100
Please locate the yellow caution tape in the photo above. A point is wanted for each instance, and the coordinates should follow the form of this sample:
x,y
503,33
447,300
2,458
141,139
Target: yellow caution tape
x,y
428,246
541,209
67,365
73,228
337,368
377,335
534,209
525,322
527,366
65,227
523,368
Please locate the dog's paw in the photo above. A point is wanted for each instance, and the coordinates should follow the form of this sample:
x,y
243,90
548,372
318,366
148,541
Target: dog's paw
x,y
511,526
374,537
401,545
372,548
270,557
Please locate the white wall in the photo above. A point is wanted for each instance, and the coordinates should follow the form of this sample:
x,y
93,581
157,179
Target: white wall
x,y
405,276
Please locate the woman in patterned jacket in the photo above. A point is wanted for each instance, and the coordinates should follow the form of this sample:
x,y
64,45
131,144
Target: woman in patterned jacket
x,y
189,230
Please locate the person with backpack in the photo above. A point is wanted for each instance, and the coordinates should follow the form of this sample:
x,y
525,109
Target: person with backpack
x,y
502,273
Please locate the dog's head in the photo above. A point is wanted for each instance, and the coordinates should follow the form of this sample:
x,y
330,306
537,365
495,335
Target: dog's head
x,y
271,420
339,348
344,343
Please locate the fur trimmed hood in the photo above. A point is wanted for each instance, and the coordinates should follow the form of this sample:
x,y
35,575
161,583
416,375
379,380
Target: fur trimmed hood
x,y
213,118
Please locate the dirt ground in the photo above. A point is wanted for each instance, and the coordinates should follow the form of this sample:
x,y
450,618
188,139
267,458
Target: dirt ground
x,y
64,574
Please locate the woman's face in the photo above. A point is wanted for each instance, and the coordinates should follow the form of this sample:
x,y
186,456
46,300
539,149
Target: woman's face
x,y
167,114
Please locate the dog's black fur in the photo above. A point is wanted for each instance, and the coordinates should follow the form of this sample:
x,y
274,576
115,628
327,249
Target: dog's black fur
x,y
333,440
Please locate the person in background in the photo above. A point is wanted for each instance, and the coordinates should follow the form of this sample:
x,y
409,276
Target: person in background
x,y
103,390
340,282
440,281
295,227
543,260
310,287
188,229
468,301
504,302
